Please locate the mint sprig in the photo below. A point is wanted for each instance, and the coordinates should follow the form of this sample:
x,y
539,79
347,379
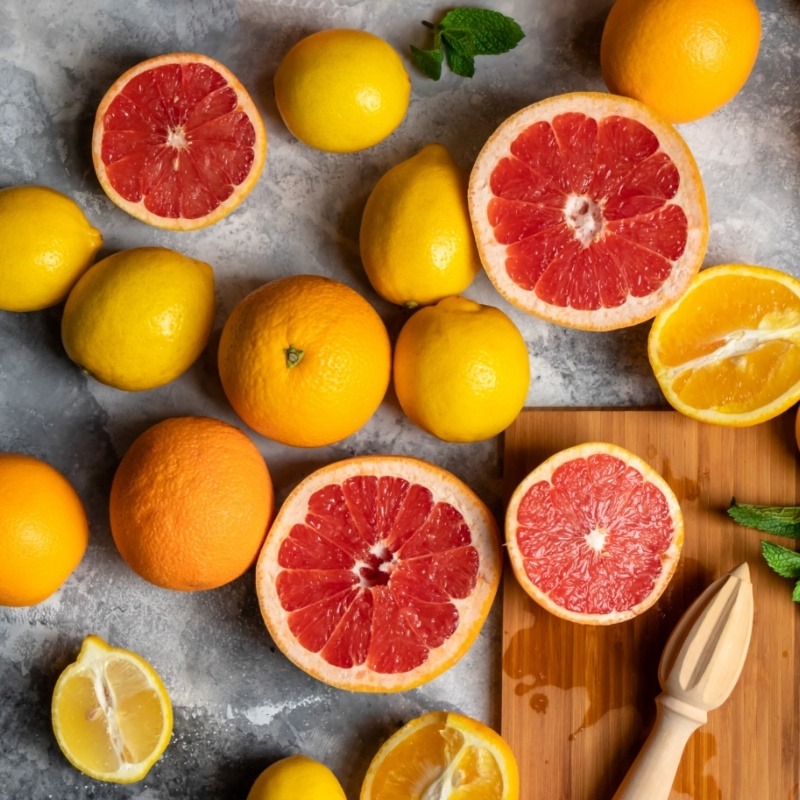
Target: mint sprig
x,y
462,34
778,520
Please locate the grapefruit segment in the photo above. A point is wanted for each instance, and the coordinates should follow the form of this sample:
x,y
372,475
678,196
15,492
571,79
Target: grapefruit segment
x,y
588,211
378,573
594,534
178,142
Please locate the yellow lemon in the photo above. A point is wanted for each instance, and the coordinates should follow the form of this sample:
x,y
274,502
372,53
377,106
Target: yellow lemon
x,y
342,90
416,237
139,318
461,370
47,245
683,58
297,777
111,713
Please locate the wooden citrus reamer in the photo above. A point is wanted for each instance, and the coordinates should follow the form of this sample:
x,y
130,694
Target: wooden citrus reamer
x,y
699,668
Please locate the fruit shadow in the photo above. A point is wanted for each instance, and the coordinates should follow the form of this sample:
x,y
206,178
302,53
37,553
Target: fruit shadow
x,y
584,43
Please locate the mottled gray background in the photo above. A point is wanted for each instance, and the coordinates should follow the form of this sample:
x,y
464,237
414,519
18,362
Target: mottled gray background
x,y
238,703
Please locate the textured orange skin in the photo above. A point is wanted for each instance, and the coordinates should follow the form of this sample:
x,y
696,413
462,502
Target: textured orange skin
x,y
340,380
683,58
43,530
241,191
190,504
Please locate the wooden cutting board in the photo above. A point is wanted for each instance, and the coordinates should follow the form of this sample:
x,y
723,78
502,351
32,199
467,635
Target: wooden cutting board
x,y
577,701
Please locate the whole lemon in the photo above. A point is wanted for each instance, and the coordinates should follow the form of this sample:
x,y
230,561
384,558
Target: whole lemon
x,y
297,777
461,370
342,90
683,58
43,530
47,245
305,360
416,237
140,318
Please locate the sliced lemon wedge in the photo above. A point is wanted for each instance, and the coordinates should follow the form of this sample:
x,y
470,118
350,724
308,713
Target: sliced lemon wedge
x,y
443,756
112,716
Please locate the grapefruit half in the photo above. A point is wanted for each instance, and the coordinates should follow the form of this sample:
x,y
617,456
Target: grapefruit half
x,y
594,534
378,573
178,142
588,211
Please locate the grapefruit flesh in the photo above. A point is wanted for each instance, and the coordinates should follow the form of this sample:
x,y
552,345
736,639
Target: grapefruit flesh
x,y
378,573
594,534
588,211
178,142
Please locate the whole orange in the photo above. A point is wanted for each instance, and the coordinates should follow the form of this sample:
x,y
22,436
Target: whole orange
x,y
43,530
190,504
304,360
683,58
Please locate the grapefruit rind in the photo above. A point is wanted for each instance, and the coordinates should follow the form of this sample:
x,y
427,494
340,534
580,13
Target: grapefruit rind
x,y
543,472
138,209
666,374
690,196
475,734
472,610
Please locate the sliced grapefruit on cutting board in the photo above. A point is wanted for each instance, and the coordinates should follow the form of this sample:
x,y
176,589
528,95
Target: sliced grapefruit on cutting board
x,y
378,573
178,142
588,211
594,534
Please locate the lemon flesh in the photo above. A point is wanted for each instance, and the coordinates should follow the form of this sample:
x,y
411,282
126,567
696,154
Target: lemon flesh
x,y
111,713
47,244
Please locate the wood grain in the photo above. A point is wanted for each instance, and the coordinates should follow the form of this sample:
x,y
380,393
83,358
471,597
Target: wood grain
x,y
577,701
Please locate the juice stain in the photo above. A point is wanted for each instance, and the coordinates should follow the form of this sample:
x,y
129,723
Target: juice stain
x,y
693,780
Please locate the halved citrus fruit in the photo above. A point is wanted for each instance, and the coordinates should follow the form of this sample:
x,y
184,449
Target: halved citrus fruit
x,y
178,142
444,756
594,534
588,211
378,573
111,713
728,351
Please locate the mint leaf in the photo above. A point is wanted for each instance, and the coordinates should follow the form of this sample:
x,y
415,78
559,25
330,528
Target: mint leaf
x,y
429,61
462,41
461,65
782,560
796,592
463,34
493,33
782,521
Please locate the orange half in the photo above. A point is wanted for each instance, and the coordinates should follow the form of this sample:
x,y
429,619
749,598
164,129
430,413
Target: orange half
x,y
178,142
446,756
728,352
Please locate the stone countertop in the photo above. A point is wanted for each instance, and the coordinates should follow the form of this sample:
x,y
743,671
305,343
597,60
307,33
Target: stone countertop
x,y
239,704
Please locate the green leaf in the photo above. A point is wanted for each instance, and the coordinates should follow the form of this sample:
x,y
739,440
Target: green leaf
x,y
429,61
461,41
493,32
461,65
780,520
796,592
782,560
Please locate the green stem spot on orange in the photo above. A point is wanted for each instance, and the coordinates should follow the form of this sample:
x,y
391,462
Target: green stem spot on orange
x,y
293,356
